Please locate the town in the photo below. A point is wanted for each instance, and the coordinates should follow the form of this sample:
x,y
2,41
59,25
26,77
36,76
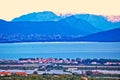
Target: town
x,y
59,66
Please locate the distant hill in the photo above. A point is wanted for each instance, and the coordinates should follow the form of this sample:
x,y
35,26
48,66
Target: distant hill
x,y
38,17
45,31
106,36
98,21
82,26
62,27
47,26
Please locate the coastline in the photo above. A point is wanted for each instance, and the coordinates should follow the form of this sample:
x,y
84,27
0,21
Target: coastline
x,y
55,42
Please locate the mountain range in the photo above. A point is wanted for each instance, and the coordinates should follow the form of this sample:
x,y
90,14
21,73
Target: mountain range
x,y
98,21
47,26
38,17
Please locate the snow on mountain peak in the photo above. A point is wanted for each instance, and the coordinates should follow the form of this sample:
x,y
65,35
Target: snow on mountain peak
x,y
113,18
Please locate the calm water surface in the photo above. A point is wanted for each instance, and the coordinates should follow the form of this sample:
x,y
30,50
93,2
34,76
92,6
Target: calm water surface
x,y
60,50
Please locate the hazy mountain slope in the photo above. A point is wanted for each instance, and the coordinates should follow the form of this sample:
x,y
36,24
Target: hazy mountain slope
x,y
38,16
47,30
99,21
106,36
83,26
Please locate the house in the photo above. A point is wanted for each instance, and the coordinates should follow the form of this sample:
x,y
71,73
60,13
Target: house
x,y
20,73
5,73
72,68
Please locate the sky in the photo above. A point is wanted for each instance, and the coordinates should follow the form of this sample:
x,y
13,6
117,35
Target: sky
x,y
10,9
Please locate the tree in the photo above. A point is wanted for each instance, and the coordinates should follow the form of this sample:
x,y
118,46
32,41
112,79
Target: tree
x,y
35,72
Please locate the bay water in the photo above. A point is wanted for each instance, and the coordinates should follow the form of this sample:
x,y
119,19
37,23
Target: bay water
x,y
107,50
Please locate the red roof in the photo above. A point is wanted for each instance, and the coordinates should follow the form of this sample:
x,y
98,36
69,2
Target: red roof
x,y
3,73
21,73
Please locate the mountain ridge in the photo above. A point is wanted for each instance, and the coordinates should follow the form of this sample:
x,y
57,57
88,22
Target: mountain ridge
x,y
86,27
98,21
44,31
38,16
105,36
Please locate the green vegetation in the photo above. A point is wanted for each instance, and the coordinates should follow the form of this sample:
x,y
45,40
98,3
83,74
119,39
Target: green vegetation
x,y
52,77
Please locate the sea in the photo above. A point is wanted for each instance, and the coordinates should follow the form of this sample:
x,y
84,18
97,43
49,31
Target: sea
x,y
83,50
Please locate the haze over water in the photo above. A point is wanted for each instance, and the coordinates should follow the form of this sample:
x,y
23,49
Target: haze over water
x,y
60,50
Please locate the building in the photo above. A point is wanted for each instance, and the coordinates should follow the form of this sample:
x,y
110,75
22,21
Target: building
x,y
20,73
4,73
72,68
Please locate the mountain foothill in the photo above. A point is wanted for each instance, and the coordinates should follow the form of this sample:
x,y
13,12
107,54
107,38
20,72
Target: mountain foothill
x,y
47,26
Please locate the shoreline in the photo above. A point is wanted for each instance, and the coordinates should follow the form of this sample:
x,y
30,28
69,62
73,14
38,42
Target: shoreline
x,y
56,42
